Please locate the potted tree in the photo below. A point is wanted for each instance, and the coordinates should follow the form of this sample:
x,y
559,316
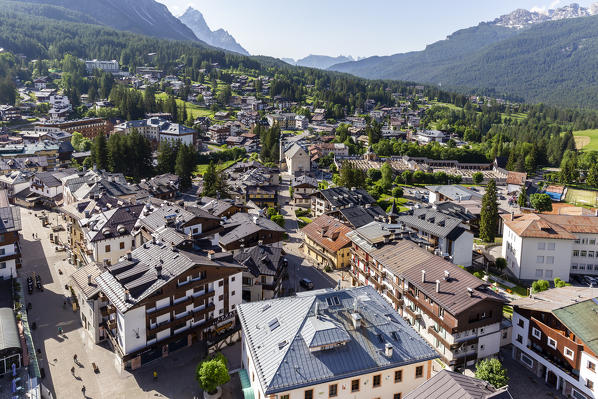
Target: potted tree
x,y
211,374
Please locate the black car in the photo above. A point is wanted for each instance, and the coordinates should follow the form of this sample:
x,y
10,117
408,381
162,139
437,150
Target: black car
x,y
306,283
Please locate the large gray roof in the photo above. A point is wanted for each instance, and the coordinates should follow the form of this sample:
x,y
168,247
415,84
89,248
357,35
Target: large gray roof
x,y
241,225
139,274
277,338
452,385
456,192
433,222
342,197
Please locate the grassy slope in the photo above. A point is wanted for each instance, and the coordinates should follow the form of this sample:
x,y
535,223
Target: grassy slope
x,y
586,139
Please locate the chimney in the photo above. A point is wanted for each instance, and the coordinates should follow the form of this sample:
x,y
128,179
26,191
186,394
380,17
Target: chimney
x,y
388,349
512,213
356,318
127,295
447,275
129,256
470,291
316,309
437,285
423,276
89,279
159,271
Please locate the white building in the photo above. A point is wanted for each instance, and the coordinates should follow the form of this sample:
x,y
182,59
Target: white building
x,y
554,337
335,343
162,298
10,252
538,246
297,159
106,66
158,130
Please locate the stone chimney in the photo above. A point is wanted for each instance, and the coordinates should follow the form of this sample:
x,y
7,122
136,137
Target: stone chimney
x,y
89,279
388,350
437,285
423,276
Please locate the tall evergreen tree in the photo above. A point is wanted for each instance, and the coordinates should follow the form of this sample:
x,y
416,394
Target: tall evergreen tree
x,y
522,198
184,165
489,213
167,155
100,152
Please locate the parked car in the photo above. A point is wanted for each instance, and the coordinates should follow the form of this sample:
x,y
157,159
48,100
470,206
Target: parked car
x,y
590,280
306,283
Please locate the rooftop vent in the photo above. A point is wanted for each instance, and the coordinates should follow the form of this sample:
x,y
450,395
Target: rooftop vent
x,y
447,275
470,291
437,285
388,350
356,318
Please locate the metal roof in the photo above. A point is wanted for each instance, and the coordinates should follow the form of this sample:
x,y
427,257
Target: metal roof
x,y
453,385
9,334
555,298
283,358
582,319
241,225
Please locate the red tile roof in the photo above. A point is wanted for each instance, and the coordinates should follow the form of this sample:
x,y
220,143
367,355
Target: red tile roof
x,y
328,232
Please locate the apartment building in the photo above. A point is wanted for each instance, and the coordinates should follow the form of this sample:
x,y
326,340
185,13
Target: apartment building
x,y
457,313
538,246
554,335
333,199
158,130
446,235
335,343
325,241
243,230
161,299
297,159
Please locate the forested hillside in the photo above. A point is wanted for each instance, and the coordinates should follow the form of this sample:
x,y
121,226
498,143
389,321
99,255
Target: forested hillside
x,y
553,62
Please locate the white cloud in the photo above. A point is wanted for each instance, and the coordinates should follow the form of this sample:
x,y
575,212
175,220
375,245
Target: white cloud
x,y
544,9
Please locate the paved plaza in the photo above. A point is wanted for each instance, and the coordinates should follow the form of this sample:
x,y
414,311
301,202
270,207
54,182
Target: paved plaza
x,y
175,373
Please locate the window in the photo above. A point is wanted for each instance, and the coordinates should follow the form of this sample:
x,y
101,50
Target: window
x,y
590,267
548,273
2,251
584,241
573,266
593,241
590,254
550,246
232,293
551,343
590,384
2,265
309,394
284,397
376,381
355,385
333,391
550,260
107,248
520,323
577,241
398,376
232,278
221,298
583,254
577,395
419,371
539,259
592,366
582,266
541,246
575,252
527,360
220,283
536,333
396,396
122,245
539,272
440,312
569,353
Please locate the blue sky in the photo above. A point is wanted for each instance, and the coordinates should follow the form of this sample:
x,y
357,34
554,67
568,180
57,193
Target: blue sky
x,y
294,29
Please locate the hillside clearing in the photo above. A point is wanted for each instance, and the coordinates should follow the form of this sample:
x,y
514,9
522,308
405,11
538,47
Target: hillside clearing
x,y
586,140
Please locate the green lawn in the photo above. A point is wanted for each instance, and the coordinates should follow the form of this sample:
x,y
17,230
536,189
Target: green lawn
x,y
582,197
201,169
195,110
586,140
304,219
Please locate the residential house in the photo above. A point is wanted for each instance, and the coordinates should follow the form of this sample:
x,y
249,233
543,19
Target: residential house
x,y
222,208
357,216
446,235
539,246
515,181
161,299
554,337
243,230
457,313
40,83
325,240
92,304
333,199
452,193
301,122
335,343
218,133
303,187
165,186
297,160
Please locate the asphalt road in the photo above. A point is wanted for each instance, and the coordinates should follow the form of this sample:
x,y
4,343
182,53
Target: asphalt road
x,y
299,266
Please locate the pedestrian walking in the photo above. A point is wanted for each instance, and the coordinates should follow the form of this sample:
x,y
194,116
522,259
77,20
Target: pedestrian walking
x,y
73,371
83,390
155,375
75,358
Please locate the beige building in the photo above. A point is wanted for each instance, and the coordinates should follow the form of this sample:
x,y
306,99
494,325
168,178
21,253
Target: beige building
x,y
326,242
297,159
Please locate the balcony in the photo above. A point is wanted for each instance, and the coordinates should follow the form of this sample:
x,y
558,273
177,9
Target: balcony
x,y
561,364
111,324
